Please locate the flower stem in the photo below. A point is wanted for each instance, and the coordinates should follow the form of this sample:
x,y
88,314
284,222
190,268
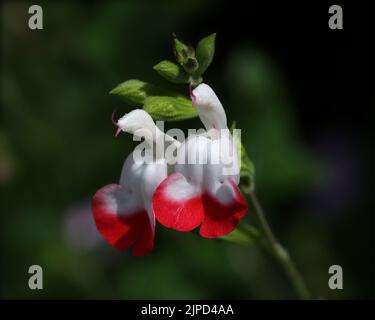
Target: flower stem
x,y
279,252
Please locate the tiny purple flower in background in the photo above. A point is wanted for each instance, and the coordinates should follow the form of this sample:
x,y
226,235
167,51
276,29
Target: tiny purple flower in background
x,y
335,193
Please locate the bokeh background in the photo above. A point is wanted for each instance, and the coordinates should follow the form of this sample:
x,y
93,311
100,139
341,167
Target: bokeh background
x,y
301,93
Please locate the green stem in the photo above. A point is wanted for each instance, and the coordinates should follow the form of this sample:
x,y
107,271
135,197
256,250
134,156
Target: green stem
x,y
279,252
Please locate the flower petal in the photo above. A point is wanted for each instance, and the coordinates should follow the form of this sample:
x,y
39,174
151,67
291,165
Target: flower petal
x,y
177,204
153,174
121,219
223,210
210,109
145,242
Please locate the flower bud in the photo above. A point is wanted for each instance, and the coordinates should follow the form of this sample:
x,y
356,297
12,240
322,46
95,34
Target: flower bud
x,y
185,56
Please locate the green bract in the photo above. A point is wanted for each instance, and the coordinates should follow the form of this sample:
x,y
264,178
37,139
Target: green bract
x,y
167,105
135,91
172,72
170,108
161,104
205,52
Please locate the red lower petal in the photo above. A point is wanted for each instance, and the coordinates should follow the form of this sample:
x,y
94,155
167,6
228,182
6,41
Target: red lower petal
x,y
184,214
221,219
145,242
121,229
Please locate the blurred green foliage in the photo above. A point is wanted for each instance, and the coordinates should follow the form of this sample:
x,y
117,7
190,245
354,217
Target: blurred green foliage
x,y
57,147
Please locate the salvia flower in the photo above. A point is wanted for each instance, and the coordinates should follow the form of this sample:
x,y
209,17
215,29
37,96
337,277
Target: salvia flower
x,y
203,193
123,212
202,189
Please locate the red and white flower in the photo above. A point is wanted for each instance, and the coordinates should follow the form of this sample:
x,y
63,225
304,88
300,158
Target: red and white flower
x,y
123,212
204,193
201,193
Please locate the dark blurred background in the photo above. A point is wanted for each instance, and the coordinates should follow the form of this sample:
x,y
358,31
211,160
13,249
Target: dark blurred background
x,y
301,93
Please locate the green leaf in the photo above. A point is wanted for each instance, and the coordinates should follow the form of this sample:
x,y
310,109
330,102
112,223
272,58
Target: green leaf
x,y
247,170
172,72
170,108
135,92
244,234
205,52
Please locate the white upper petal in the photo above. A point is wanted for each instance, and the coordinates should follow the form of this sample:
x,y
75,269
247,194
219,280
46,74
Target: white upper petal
x,y
139,123
136,120
210,109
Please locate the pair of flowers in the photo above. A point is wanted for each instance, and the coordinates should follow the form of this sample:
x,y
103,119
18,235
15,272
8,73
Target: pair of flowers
x,y
183,196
